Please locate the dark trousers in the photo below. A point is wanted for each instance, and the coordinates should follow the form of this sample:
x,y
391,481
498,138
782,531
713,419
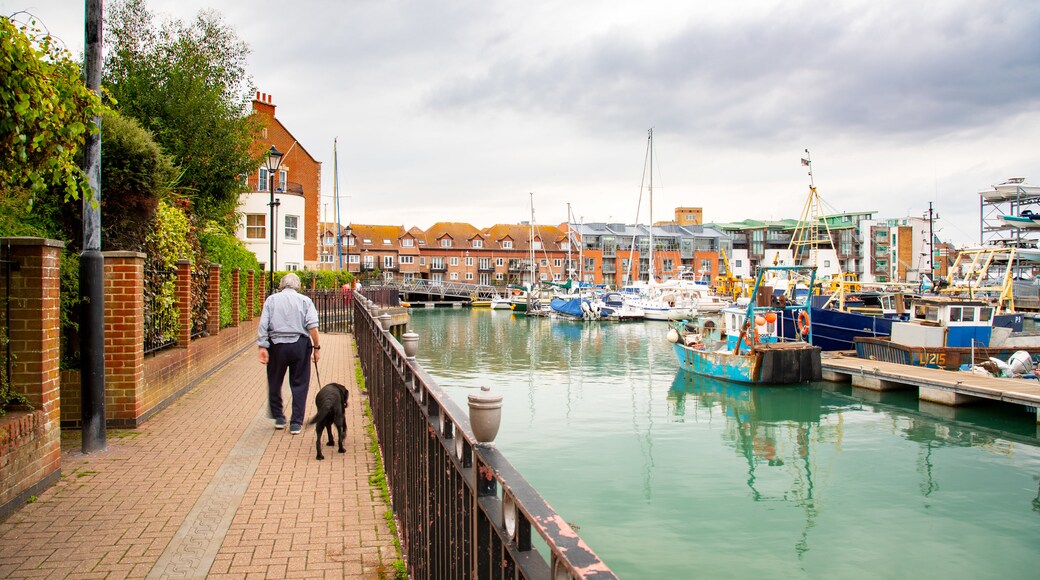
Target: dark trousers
x,y
296,358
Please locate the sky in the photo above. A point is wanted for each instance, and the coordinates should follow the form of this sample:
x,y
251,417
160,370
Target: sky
x,y
459,110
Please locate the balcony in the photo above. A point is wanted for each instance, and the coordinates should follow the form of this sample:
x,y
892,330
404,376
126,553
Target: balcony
x,y
438,267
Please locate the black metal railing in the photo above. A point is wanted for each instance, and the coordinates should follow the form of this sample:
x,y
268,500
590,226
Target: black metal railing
x,y
389,296
464,510
333,306
160,309
199,302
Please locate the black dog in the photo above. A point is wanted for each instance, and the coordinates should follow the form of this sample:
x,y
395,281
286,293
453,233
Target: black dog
x,y
331,401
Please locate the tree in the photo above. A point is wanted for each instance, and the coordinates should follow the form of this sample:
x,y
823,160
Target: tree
x,y
45,112
186,83
135,175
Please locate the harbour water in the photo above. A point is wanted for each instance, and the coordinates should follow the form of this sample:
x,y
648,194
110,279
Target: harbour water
x,y
670,476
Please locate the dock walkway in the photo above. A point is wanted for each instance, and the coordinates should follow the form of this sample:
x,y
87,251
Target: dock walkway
x,y
937,385
208,488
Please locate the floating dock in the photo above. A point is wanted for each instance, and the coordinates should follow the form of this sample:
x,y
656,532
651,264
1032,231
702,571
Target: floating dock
x,y
936,385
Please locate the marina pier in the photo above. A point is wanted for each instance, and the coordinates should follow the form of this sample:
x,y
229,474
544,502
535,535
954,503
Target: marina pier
x,y
935,385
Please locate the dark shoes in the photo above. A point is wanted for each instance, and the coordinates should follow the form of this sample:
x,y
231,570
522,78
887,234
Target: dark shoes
x,y
279,423
295,428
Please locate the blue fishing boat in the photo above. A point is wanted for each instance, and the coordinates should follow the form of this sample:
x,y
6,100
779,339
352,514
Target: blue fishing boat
x,y
749,349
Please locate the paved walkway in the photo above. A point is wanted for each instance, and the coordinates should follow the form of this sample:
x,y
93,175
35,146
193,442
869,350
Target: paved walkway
x,y
208,487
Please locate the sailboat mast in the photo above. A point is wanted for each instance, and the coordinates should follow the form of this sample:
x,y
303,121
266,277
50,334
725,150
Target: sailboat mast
x,y
335,186
650,228
531,243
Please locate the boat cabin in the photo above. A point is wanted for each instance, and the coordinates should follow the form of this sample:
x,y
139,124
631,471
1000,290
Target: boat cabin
x,y
953,323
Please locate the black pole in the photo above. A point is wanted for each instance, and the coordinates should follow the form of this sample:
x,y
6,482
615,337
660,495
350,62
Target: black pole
x,y
931,246
91,262
270,273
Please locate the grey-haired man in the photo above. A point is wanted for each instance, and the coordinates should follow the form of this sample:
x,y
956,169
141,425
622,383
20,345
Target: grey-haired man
x,y
288,340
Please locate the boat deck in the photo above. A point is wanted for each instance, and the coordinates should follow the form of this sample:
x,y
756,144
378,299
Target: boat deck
x,y
936,385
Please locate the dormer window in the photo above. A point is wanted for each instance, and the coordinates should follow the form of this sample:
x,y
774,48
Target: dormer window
x,y
478,243
368,242
537,245
386,242
507,244
407,243
446,242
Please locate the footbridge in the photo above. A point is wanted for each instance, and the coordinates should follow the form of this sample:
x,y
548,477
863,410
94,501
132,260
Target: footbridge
x,y
412,289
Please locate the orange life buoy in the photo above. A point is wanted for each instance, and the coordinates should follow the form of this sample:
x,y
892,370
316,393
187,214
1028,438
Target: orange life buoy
x,y
803,323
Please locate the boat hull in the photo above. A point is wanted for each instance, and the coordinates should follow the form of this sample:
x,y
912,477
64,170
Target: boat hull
x,y
936,357
769,364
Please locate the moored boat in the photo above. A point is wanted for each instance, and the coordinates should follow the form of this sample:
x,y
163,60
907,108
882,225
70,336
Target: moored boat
x,y
750,350
948,334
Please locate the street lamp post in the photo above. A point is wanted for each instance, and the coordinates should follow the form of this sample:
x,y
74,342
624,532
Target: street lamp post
x,y
345,241
274,160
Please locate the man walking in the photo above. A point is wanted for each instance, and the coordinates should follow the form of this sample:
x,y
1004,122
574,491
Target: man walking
x,y
288,340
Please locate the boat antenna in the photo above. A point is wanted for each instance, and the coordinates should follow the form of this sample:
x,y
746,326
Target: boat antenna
x,y
812,229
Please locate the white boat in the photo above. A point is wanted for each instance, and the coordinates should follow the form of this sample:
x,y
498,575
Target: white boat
x,y
1013,188
501,303
1026,220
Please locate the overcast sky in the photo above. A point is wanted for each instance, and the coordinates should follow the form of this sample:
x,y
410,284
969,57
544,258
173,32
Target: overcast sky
x,y
454,110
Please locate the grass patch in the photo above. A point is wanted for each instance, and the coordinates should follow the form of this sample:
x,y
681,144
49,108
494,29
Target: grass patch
x,y
378,478
86,473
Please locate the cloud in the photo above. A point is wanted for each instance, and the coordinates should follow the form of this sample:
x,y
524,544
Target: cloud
x,y
875,69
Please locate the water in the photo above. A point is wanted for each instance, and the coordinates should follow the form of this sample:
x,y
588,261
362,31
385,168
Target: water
x,y
670,476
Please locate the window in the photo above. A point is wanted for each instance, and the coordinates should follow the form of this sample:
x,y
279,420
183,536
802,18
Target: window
x,y
985,313
256,226
968,314
500,261
446,243
422,260
367,242
407,259
557,262
328,241
499,277
453,261
262,180
388,262
407,243
469,261
537,244
478,243
469,275
282,179
590,264
737,263
327,258
437,263
565,246
706,265
353,259
370,261
507,244
454,275
387,242
667,265
485,263
292,227
826,263
292,267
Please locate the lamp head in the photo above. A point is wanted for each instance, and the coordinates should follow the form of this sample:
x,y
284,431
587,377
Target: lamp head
x,y
274,159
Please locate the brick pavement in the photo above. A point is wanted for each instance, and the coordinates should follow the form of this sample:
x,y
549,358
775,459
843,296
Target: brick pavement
x,y
208,487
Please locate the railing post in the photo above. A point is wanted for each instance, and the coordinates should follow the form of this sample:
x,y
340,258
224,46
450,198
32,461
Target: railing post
x,y
213,297
236,296
184,303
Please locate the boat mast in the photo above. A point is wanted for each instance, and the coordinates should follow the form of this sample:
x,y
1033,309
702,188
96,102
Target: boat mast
x,y
812,230
570,234
531,244
650,220
335,185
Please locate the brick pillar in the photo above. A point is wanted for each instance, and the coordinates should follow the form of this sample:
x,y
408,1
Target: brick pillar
x,y
35,321
124,336
184,303
251,297
213,297
236,295
261,288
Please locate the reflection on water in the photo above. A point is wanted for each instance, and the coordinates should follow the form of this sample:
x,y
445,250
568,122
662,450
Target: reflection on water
x,y
666,473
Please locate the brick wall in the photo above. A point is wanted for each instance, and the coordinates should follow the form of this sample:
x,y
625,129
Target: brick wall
x,y
30,441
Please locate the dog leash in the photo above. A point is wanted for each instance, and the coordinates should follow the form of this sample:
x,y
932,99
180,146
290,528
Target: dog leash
x,y
316,373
